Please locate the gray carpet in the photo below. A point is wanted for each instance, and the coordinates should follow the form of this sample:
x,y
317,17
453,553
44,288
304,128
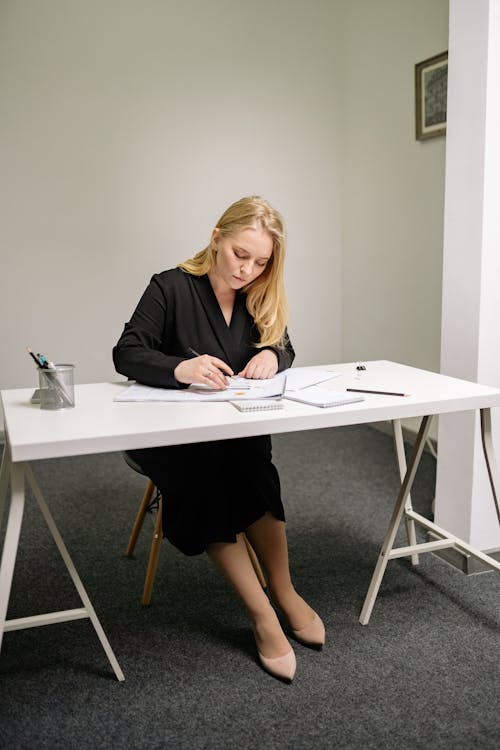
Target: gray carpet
x,y
423,674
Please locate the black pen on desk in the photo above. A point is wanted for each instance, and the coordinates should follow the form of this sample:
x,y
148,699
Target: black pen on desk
x,y
380,393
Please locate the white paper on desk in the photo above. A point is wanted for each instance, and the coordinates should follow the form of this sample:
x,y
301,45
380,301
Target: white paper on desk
x,y
316,396
298,378
270,388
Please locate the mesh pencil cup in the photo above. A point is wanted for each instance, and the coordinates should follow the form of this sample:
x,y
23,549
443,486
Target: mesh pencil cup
x,y
57,387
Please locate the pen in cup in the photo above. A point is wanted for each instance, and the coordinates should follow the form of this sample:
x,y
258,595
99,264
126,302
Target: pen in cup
x,y
34,357
52,378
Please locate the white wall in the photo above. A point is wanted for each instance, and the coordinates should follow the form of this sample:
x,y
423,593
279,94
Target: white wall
x,y
393,186
126,128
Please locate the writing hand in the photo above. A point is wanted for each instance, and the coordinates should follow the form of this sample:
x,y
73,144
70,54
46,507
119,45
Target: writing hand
x,y
263,365
204,369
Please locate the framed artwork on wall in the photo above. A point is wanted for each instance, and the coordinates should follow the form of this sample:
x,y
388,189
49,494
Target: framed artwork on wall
x,y
431,83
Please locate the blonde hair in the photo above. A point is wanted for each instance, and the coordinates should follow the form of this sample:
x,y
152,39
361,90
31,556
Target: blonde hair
x,y
266,297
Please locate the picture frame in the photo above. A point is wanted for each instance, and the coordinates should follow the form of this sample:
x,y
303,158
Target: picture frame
x,y
431,83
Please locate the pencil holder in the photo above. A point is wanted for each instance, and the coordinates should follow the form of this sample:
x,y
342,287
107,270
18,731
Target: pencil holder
x,y
57,387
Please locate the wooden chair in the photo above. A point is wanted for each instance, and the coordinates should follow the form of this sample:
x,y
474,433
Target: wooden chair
x,y
152,501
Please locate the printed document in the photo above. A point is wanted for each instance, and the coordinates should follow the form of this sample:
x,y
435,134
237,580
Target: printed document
x,y
293,379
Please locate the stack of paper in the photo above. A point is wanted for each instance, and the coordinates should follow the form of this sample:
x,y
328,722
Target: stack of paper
x,y
293,380
250,389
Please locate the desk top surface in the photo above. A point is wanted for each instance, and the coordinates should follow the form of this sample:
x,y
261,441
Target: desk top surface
x,y
98,424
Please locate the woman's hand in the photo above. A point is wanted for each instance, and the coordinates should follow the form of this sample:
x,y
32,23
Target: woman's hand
x,y
264,365
206,370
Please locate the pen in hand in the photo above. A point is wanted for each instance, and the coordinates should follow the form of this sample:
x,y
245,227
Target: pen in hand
x,y
197,354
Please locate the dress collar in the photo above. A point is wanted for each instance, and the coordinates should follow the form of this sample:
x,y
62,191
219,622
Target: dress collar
x,y
229,337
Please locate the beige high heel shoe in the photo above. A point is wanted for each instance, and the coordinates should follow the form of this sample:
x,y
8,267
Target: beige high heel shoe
x,y
281,667
313,634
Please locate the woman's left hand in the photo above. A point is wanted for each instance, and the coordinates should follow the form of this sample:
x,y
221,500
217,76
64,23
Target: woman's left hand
x,y
264,365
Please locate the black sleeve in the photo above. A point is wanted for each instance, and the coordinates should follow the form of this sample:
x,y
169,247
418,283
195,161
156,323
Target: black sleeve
x,y
141,351
285,354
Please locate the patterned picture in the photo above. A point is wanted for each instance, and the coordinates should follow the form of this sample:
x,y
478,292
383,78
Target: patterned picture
x,y
431,83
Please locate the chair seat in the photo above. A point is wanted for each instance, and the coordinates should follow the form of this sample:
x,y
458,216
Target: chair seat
x,y
132,463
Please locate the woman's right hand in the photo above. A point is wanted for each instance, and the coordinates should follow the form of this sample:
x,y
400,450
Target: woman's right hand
x,y
206,370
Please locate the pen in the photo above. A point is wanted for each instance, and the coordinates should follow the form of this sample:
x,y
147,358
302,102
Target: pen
x,y
193,351
381,393
44,362
34,356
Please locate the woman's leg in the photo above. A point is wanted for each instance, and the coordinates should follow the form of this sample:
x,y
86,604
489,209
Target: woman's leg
x,y
268,538
236,565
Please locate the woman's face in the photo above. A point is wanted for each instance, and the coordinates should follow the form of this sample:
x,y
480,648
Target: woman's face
x,y
240,258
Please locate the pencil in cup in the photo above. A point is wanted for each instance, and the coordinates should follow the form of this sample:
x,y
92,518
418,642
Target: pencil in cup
x,y
56,386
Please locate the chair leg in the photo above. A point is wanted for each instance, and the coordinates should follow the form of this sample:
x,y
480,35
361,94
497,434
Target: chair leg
x,y
255,562
139,519
154,556
154,553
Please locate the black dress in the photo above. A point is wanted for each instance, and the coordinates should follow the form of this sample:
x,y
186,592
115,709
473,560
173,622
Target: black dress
x,y
212,490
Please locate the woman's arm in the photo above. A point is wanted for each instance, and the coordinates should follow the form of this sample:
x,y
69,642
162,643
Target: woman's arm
x,y
138,353
285,354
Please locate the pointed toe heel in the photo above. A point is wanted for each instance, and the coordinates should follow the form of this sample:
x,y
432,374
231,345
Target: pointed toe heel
x,y
313,634
282,667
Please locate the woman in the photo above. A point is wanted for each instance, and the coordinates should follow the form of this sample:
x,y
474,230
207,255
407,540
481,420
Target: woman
x,y
228,302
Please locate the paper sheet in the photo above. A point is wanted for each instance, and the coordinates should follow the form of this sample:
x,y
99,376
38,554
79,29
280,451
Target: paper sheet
x,y
294,379
303,377
252,389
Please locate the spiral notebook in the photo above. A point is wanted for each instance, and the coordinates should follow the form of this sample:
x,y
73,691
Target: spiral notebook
x,y
261,404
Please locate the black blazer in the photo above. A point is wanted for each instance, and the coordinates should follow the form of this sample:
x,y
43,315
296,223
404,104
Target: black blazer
x,y
179,311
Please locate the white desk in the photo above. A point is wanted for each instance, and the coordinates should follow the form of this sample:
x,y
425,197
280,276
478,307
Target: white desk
x,y
98,424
